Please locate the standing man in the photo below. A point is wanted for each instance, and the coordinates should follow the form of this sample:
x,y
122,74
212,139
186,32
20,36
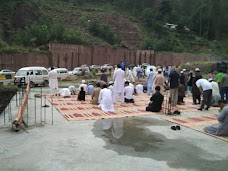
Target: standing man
x,y
53,81
159,80
123,66
174,85
150,82
224,86
104,76
219,77
118,88
131,76
195,91
205,88
139,71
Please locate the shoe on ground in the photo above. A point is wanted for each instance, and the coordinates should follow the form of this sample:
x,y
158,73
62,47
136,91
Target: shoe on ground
x,y
178,127
173,128
207,108
200,109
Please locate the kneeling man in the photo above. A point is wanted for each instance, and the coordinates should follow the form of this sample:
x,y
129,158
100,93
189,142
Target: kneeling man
x,y
65,92
128,93
156,101
221,128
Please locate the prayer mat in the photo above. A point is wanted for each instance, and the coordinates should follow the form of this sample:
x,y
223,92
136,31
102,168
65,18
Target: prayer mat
x,y
196,122
72,109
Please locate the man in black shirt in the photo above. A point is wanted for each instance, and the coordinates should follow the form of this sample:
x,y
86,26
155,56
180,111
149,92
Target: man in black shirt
x,y
156,101
174,84
104,76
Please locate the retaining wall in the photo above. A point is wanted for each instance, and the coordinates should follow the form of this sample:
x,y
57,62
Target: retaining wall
x,y
71,56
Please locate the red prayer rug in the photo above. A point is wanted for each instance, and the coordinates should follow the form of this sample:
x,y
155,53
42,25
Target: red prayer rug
x,y
72,109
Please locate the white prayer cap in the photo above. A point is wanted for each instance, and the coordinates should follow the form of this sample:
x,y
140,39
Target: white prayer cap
x,y
159,70
184,70
197,69
110,82
210,79
83,81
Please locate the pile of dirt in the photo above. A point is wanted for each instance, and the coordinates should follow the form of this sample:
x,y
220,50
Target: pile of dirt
x,y
6,96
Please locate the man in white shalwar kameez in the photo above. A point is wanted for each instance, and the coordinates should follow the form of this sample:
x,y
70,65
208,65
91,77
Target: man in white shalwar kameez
x,y
84,85
53,81
105,100
131,76
64,92
139,89
118,88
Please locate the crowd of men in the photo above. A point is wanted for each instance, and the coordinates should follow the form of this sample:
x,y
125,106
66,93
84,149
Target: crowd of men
x,y
213,91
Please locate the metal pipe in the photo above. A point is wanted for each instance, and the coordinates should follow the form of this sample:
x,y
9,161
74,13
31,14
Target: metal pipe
x,y
52,110
35,109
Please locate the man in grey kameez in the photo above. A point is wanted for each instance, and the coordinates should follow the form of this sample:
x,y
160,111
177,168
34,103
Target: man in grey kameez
x,y
221,128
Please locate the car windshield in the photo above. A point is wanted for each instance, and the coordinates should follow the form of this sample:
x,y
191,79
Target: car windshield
x,y
21,73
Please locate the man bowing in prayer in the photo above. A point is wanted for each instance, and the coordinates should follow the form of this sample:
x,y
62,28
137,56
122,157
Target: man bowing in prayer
x,y
118,88
53,81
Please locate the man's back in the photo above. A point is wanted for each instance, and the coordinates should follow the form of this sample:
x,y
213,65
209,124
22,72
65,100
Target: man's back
x,y
174,79
53,74
157,100
128,90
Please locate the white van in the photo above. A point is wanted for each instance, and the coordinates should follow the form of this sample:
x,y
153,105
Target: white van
x,y
36,75
62,73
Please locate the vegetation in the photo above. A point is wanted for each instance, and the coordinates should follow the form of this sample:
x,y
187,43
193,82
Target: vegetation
x,y
9,87
201,25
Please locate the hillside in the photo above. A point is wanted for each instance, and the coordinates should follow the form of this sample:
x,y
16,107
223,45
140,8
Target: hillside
x,y
26,26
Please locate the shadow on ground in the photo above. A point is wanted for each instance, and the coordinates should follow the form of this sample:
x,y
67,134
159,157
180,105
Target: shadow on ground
x,y
139,141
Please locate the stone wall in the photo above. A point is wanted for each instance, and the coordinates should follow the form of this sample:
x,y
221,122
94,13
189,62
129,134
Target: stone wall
x,y
71,56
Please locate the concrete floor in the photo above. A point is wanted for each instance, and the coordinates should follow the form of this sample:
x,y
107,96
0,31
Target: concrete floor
x,y
147,143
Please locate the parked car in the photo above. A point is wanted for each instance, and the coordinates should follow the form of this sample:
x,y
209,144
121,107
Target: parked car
x,y
36,76
94,67
6,71
107,66
144,65
131,66
81,71
62,73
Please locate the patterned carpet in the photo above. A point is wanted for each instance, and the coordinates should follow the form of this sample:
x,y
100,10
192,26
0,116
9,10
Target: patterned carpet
x,y
72,109
196,122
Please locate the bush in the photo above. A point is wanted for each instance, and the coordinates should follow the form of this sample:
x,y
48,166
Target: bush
x,y
157,45
105,32
73,36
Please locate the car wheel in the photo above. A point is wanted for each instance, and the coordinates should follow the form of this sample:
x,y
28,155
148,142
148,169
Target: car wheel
x,y
32,84
45,83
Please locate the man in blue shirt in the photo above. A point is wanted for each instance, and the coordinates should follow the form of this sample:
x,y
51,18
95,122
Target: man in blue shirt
x,y
122,63
90,88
